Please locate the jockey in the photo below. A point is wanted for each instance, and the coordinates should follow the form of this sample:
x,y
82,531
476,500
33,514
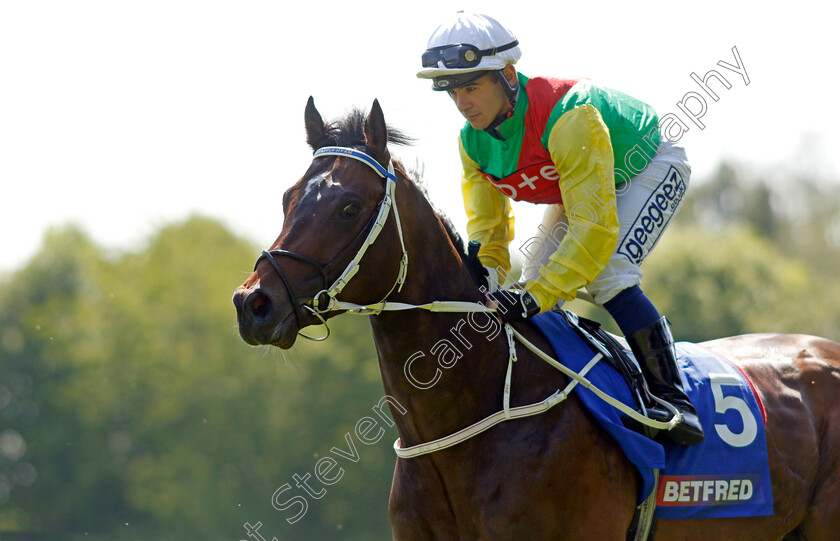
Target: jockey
x,y
594,156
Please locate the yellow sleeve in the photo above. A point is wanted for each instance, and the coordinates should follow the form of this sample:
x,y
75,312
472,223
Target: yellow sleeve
x,y
489,215
580,147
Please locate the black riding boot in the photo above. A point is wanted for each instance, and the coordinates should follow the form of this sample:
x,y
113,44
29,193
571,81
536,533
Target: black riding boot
x,y
654,349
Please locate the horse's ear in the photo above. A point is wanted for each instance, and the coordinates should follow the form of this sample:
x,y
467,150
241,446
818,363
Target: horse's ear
x,y
316,129
376,133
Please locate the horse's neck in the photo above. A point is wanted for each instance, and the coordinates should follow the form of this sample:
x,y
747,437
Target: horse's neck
x,y
444,371
438,365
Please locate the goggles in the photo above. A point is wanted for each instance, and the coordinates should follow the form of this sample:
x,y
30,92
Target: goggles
x,y
460,55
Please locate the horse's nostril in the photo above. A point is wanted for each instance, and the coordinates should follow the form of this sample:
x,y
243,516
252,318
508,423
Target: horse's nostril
x,y
261,307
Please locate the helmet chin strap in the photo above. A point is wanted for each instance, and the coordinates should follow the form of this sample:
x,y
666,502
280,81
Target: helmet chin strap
x,y
512,93
511,90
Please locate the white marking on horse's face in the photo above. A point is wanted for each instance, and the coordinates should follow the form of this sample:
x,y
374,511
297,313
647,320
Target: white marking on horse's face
x,y
314,184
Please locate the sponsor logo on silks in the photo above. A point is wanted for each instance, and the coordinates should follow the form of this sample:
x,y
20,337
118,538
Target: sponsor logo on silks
x,y
684,490
536,183
654,216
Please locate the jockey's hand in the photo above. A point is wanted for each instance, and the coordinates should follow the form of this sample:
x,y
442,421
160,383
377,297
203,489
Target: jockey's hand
x,y
512,305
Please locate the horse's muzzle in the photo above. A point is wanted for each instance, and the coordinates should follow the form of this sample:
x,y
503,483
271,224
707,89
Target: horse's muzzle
x,y
263,321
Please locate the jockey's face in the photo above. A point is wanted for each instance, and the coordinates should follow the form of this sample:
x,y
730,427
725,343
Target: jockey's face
x,y
481,101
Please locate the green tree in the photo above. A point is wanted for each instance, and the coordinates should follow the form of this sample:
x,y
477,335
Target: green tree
x,y
132,409
712,285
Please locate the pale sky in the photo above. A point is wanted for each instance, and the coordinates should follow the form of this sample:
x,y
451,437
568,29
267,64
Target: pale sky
x,y
126,116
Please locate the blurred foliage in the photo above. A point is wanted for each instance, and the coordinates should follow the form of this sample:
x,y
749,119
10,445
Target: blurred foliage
x,y
750,251
131,409
753,251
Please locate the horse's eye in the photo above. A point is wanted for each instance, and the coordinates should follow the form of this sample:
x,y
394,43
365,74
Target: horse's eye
x,y
351,209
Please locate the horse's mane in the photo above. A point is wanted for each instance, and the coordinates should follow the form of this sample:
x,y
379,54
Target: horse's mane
x,y
348,131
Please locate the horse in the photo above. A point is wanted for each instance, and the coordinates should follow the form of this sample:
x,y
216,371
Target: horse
x,y
554,476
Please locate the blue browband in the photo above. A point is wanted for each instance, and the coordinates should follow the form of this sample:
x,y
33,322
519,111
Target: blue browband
x,y
358,155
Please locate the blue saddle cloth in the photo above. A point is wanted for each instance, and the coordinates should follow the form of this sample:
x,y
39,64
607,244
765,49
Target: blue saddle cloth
x,y
727,475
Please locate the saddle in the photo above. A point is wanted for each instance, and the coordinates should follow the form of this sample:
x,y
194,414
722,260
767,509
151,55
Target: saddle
x,y
619,356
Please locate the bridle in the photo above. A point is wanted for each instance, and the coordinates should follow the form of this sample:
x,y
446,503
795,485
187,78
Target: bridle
x,y
329,293
326,299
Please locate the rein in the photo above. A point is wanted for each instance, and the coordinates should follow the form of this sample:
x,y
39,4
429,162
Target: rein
x,y
332,304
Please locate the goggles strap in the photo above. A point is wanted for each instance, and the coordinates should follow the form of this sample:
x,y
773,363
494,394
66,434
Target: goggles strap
x,y
435,54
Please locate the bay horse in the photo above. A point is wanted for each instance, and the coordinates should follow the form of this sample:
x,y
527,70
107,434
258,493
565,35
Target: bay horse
x,y
554,476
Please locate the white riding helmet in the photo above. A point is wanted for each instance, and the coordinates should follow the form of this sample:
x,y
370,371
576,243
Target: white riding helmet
x,y
463,48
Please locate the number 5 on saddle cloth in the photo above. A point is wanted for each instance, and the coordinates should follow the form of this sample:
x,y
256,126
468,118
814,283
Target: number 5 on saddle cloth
x,y
727,475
